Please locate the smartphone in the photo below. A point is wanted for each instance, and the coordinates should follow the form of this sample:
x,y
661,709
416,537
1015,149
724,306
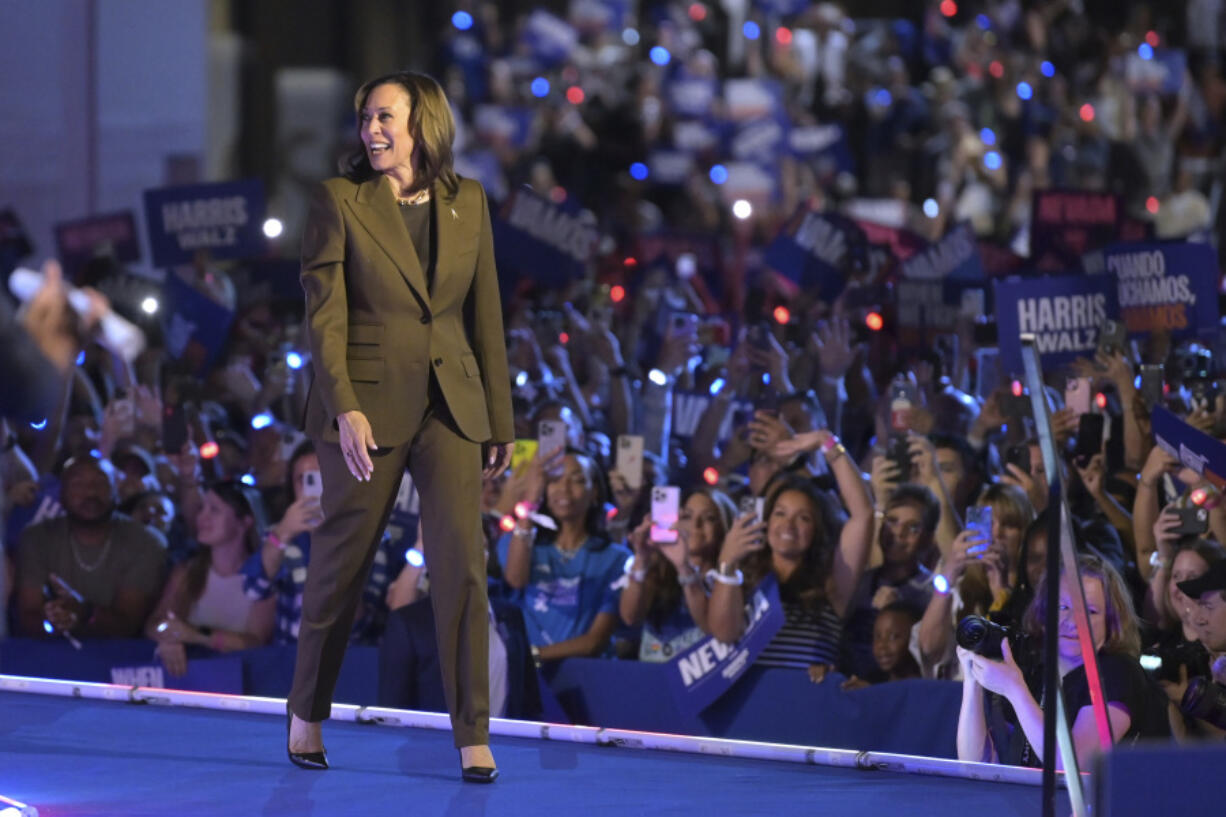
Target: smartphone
x,y
1015,403
1153,381
1204,394
1193,521
1077,395
551,436
1089,438
898,449
753,505
174,428
1112,337
630,459
979,519
665,511
312,485
125,410
522,453
1019,455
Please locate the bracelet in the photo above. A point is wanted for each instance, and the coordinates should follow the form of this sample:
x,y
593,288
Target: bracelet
x,y
271,536
536,655
524,533
1146,483
736,578
1156,561
688,578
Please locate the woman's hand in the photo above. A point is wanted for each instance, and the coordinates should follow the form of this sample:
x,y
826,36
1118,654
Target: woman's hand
x,y
357,441
745,536
966,659
884,597
174,657
639,542
1158,462
767,430
884,479
1002,677
1094,476
173,630
969,545
304,515
497,459
1034,488
1165,525
832,342
806,442
818,672
1064,425
924,459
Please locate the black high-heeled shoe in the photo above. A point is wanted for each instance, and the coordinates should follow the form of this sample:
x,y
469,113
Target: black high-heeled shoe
x,y
315,761
477,774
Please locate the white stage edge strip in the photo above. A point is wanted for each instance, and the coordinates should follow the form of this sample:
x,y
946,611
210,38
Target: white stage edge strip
x,y
505,727
11,808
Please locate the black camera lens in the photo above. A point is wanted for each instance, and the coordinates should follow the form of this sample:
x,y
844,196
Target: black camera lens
x,y
1205,699
982,637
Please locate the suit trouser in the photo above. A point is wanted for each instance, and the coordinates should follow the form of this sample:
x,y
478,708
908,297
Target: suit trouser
x,y
446,470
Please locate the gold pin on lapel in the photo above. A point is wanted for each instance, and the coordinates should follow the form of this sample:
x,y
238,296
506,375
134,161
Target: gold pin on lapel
x,y
454,215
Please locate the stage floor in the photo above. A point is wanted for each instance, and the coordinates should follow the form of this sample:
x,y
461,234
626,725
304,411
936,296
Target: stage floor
x,y
72,756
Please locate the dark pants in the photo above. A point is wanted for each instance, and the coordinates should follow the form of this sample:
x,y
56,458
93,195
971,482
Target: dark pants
x,y
446,470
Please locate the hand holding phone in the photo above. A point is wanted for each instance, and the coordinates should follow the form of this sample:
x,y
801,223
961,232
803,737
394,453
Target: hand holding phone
x,y
312,485
551,437
630,459
979,520
665,511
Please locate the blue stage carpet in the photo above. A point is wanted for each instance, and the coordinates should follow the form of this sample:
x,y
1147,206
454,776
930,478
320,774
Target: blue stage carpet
x,y
71,757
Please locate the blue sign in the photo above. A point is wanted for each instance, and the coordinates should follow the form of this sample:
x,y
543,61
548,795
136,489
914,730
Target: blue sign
x,y
760,140
79,241
815,251
1162,73
550,39
702,673
1065,224
1192,447
956,256
692,96
824,146
1062,312
224,220
195,325
1164,286
504,125
224,675
542,241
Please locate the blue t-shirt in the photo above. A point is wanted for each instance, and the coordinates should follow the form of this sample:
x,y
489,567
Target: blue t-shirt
x,y
566,591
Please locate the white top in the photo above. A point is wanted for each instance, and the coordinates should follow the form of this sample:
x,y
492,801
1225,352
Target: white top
x,y
498,670
222,605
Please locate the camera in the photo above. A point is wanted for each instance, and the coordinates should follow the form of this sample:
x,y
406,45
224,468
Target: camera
x,y
1171,658
984,637
1205,699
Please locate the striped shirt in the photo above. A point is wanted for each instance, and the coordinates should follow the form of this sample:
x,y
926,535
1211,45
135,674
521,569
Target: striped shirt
x,y
290,580
805,638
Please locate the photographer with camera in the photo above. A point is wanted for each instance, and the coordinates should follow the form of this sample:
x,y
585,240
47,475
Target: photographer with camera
x,y
1136,710
1205,698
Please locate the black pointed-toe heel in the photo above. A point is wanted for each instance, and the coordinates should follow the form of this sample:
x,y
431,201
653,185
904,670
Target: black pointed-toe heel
x,y
315,761
477,774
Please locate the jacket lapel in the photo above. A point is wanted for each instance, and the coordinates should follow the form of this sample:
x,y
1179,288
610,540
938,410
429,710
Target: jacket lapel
x,y
376,209
455,231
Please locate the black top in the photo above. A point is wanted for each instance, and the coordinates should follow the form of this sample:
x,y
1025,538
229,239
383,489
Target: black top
x,y
419,220
1125,683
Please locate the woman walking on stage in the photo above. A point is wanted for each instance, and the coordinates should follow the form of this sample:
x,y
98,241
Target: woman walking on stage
x,y
405,327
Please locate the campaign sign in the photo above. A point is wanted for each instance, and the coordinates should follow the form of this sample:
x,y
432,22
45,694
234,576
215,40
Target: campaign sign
x,y
1163,73
1062,312
692,96
549,38
225,220
224,675
760,140
542,241
1192,447
747,99
196,326
930,292
813,251
504,125
1169,286
702,673
956,256
78,241
901,242
824,146
695,136
669,167
1065,224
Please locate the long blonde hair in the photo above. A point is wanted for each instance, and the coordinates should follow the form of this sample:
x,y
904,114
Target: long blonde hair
x,y
1123,633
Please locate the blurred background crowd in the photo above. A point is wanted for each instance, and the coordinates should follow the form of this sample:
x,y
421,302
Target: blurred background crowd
x,y
154,497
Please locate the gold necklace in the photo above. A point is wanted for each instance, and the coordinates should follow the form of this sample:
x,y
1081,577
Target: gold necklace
x,y
420,197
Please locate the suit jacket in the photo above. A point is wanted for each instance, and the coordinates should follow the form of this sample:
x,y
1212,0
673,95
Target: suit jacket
x,y
375,329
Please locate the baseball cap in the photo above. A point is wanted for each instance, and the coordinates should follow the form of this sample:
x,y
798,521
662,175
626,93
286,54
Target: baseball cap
x,y
1212,579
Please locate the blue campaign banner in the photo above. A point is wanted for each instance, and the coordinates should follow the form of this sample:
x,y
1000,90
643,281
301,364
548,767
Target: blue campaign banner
x,y
538,240
224,220
782,8
954,257
1192,447
504,124
669,167
1062,312
702,673
815,251
747,99
760,140
224,675
697,136
550,39
593,16
1163,286
113,234
1162,73
692,96
196,326
824,146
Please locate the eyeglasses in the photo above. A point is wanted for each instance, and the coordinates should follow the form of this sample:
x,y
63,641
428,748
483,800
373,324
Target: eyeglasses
x,y
896,526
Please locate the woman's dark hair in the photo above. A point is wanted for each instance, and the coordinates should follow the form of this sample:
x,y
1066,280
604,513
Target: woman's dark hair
x,y
246,503
594,520
431,125
806,586
663,576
